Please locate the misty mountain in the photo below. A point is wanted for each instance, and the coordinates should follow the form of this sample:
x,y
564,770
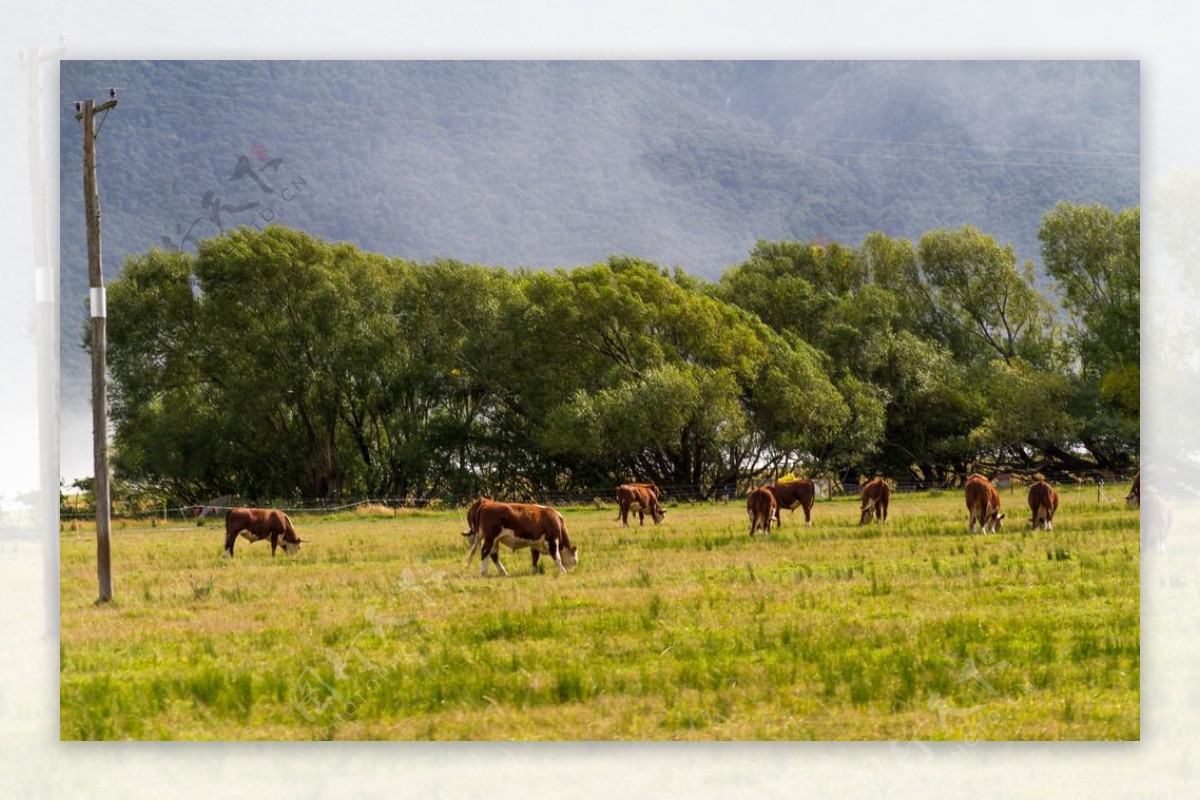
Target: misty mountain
x,y
547,164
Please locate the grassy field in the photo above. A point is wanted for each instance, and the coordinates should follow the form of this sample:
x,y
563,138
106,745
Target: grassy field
x,y
689,630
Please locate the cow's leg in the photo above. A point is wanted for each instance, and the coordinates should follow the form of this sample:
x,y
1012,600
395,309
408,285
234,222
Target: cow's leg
x,y
536,553
556,553
491,549
625,515
641,515
274,542
230,539
807,516
484,553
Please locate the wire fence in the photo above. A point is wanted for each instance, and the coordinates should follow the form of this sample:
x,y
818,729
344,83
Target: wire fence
x,y
1099,489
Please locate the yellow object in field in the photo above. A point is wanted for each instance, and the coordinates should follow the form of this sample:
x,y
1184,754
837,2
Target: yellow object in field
x,y
789,477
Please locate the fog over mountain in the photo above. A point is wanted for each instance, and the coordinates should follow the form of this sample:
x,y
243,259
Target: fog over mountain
x,y
546,164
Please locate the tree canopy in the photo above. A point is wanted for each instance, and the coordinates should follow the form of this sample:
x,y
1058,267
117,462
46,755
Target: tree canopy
x,y
273,363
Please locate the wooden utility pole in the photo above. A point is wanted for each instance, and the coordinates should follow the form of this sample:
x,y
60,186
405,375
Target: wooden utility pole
x,y
91,207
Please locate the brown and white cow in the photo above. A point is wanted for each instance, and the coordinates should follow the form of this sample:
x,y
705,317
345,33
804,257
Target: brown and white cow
x,y
983,503
642,498
761,507
260,524
876,495
790,494
519,525
1134,498
1043,503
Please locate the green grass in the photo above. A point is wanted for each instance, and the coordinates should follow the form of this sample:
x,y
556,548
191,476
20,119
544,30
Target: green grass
x,y
689,630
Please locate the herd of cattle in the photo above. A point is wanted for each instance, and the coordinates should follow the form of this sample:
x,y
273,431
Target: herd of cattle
x,y
543,531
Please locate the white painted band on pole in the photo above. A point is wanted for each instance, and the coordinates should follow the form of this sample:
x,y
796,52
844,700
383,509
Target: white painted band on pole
x,y
41,284
98,307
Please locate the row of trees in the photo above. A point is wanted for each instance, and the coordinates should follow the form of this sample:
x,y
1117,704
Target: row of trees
x,y
273,363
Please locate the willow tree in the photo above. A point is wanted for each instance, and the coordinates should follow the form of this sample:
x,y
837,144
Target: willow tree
x,y
663,382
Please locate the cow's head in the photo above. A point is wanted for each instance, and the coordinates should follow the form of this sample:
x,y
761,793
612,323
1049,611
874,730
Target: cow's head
x,y
292,547
658,513
570,555
1132,499
867,511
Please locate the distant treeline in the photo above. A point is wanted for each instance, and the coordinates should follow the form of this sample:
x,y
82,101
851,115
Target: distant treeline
x,y
272,363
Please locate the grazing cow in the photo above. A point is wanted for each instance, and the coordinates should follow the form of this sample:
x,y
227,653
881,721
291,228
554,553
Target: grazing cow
x,y
876,495
519,525
790,494
1043,503
1156,521
1134,498
983,502
761,507
260,524
643,498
